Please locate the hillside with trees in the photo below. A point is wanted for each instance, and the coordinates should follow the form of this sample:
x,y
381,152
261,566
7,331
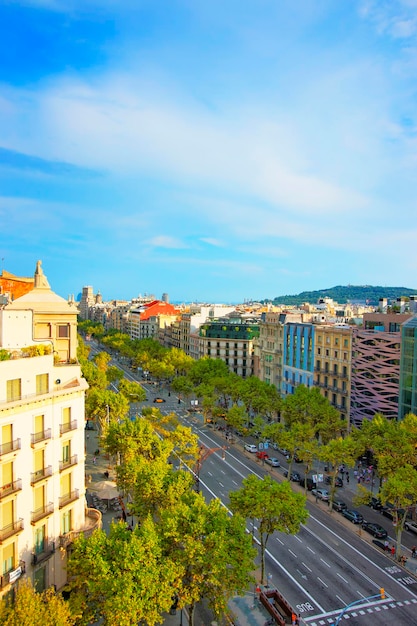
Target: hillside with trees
x,y
350,293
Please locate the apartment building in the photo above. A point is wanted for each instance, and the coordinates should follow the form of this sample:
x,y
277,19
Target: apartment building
x,y
42,482
332,365
376,354
231,340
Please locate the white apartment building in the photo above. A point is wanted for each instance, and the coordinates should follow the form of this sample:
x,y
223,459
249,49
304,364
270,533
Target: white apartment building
x,y
42,452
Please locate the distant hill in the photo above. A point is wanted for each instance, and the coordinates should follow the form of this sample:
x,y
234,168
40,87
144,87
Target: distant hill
x,y
349,293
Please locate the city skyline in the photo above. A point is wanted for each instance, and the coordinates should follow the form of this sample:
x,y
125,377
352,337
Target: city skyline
x,y
213,151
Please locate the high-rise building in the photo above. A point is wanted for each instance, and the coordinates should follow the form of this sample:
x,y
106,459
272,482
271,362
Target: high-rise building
x,y
408,370
42,481
87,300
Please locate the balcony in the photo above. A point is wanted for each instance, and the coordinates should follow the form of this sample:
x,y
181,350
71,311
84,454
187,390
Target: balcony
x,y
63,465
43,511
11,529
10,488
93,521
43,553
13,575
68,498
45,472
42,435
67,427
10,446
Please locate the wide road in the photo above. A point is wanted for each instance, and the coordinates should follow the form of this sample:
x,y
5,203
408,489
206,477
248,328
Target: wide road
x,y
330,563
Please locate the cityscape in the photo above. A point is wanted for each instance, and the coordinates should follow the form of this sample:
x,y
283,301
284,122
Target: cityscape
x,y
346,369
208,387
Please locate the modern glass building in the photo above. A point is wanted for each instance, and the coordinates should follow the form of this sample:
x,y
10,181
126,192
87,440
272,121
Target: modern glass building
x,y
408,370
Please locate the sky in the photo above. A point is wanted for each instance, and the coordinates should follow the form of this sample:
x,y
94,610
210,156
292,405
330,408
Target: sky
x,y
215,150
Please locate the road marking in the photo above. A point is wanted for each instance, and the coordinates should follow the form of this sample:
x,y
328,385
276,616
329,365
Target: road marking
x,y
325,562
307,567
340,576
341,600
298,538
322,582
311,549
221,484
293,553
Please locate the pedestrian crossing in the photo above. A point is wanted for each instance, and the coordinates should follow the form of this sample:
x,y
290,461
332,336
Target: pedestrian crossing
x,y
374,609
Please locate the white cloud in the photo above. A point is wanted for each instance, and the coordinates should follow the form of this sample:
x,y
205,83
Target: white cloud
x,y
165,241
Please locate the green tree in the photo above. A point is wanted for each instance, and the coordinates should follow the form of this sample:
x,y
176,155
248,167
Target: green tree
x,y
31,609
105,407
101,360
123,578
213,551
95,378
400,489
334,453
132,391
274,505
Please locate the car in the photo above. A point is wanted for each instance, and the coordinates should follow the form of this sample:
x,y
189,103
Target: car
x,y
261,454
297,459
375,529
411,526
321,494
308,482
339,505
159,400
294,476
283,451
375,503
338,482
250,447
353,516
273,461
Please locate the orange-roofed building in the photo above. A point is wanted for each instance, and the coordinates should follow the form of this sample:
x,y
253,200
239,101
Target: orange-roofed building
x,y
146,319
14,287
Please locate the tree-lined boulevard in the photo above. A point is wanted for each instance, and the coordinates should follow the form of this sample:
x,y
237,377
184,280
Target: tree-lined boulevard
x,y
328,564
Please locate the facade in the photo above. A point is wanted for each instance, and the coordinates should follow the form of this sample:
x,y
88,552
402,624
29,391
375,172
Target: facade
x,y
145,320
297,357
408,370
332,365
87,300
42,483
231,340
269,349
376,353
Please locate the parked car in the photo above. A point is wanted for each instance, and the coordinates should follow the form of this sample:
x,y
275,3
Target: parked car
x,y
339,505
250,447
353,516
375,503
411,526
273,461
294,476
283,451
308,482
375,529
297,459
321,494
337,483
261,454
159,400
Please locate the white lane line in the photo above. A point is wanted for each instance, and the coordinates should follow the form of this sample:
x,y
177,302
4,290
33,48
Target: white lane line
x,y
293,553
340,576
322,581
298,538
209,473
306,566
325,562
311,549
221,484
278,539
341,600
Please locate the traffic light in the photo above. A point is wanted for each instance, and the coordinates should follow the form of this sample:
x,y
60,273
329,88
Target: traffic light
x,y
382,592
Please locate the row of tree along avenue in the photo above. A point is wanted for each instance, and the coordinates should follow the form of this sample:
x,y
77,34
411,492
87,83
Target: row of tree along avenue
x,y
305,423
183,549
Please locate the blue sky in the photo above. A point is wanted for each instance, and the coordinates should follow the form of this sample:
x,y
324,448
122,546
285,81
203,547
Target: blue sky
x,y
216,150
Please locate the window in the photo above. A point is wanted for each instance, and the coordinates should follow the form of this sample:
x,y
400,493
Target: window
x,y
66,415
66,522
335,368
63,331
39,539
335,383
327,352
318,350
345,343
66,452
42,383
334,398
335,354
8,558
14,389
